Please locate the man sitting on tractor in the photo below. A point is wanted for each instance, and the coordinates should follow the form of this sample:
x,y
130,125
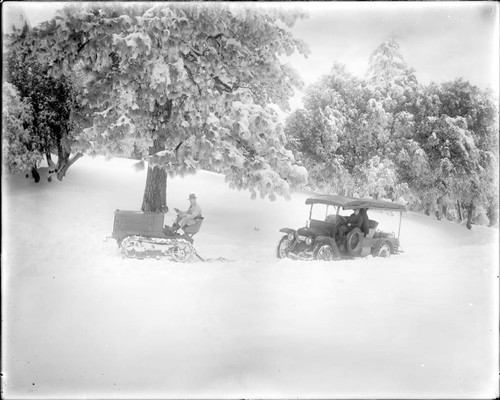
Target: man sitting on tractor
x,y
185,218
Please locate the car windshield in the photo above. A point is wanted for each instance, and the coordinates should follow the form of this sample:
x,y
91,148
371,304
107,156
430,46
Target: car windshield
x,y
321,211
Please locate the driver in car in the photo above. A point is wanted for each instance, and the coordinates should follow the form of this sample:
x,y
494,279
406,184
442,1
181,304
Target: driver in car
x,y
355,220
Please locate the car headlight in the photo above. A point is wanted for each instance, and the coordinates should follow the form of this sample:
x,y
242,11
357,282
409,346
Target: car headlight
x,y
309,240
291,236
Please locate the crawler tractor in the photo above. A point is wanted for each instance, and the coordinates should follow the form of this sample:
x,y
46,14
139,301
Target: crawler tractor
x,y
142,234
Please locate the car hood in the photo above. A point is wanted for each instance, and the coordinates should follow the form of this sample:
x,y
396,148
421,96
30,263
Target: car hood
x,y
312,231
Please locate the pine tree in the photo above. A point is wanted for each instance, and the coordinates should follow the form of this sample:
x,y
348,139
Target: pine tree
x,y
386,64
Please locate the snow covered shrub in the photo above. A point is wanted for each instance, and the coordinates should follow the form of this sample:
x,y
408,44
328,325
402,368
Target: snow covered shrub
x,y
17,121
479,216
452,215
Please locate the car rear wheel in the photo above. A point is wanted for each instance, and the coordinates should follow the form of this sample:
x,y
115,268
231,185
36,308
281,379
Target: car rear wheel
x,y
325,252
284,246
382,249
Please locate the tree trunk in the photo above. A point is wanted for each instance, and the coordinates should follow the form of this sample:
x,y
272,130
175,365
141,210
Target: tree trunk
x,y
470,209
155,192
48,156
64,166
459,209
492,213
439,211
427,209
63,160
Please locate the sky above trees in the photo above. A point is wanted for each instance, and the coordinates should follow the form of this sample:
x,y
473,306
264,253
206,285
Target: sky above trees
x,y
440,40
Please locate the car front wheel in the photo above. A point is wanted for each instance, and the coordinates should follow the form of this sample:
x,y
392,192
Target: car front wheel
x,y
325,252
284,246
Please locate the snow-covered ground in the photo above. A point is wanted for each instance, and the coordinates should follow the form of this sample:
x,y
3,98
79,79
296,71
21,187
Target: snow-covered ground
x,y
80,321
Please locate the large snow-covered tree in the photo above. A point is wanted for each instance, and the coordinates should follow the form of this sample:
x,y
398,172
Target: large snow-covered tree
x,y
321,133
183,85
458,131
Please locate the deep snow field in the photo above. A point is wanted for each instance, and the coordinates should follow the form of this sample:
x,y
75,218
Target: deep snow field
x,y
79,321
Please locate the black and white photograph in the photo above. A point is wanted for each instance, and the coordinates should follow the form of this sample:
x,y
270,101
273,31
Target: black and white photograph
x,y
250,200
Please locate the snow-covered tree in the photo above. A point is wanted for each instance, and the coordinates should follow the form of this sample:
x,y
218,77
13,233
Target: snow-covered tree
x,y
386,63
51,101
457,128
322,132
389,136
18,152
391,90
185,86
347,123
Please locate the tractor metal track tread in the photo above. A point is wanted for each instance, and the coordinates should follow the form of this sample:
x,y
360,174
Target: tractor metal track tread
x,y
172,249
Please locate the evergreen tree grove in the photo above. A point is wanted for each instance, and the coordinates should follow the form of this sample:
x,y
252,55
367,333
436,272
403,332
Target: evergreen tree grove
x,y
387,136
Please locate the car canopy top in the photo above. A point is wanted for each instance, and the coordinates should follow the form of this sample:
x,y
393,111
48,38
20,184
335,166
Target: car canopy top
x,y
353,203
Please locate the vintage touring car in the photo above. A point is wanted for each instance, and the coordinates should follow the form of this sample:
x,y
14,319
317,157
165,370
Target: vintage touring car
x,y
327,236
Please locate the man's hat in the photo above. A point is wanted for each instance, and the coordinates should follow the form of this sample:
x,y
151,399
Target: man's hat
x,y
192,196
